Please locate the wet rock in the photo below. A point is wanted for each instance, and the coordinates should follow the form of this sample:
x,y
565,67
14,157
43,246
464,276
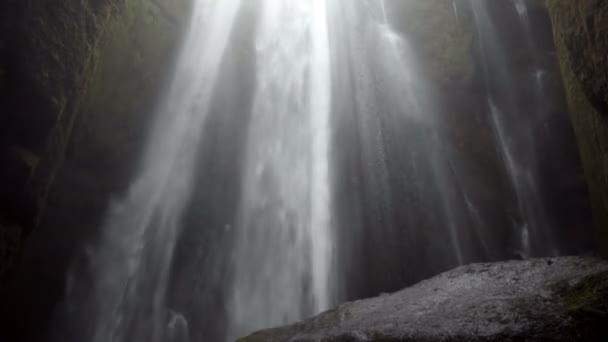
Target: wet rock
x,y
10,242
582,27
442,32
581,38
48,54
560,299
78,83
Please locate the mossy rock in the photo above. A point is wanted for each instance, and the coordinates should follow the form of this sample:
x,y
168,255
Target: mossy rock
x,y
581,39
587,304
583,29
444,37
51,58
135,56
589,297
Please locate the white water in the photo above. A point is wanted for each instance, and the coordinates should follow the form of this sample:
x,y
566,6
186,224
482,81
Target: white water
x,y
283,253
513,130
131,265
522,11
405,90
455,10
516,174
384,15
280,257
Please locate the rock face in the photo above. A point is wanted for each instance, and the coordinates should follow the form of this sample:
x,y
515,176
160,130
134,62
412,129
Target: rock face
x,y
581,37
443,41
78,81
581,27
47,56
54,60
560,299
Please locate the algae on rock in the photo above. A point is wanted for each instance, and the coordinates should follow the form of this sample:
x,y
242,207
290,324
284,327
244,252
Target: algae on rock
x,y
582,26
51,56
443,38
581,38
48,55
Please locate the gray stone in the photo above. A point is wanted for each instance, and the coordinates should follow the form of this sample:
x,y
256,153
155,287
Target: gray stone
x,y
536,300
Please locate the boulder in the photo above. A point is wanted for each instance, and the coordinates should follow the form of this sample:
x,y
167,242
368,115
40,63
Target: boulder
x,y
556,299
581,38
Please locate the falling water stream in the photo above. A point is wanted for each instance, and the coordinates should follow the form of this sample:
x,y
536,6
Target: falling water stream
x,y
513,131
283,255
131,265
346,175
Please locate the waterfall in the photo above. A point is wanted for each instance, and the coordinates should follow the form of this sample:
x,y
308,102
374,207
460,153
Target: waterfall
x,y
131,264
408,99
408,195
384,15
282,256
301,157
514,136
455,10
522,11
543,99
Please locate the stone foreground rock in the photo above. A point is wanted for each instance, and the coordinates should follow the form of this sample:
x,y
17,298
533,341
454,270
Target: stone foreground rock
x,y
558,299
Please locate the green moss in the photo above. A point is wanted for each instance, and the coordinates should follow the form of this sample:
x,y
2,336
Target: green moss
x,y
136,49
589,297
587,305
63,59
444,41
584,31
148,18
134,58
60,49
590,126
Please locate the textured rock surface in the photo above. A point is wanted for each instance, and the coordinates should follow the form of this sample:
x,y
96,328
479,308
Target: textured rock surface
x,y
48,55
581,37
443,40
73,73
116,67
561,299
582,27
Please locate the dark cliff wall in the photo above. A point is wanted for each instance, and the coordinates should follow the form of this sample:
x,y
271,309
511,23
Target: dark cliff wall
x,y
48,56
581,35
78,83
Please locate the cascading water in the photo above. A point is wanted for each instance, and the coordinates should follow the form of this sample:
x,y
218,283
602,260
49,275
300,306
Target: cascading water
x,y
282,255
409,194
404,94
283,243
333,177
131,265
543,98
513,131
522,10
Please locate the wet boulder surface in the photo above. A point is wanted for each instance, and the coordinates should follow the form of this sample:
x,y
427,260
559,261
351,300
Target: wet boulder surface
x,y
557,299
581,39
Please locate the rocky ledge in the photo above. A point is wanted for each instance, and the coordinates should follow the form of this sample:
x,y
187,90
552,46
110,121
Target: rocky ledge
x,y
558,299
